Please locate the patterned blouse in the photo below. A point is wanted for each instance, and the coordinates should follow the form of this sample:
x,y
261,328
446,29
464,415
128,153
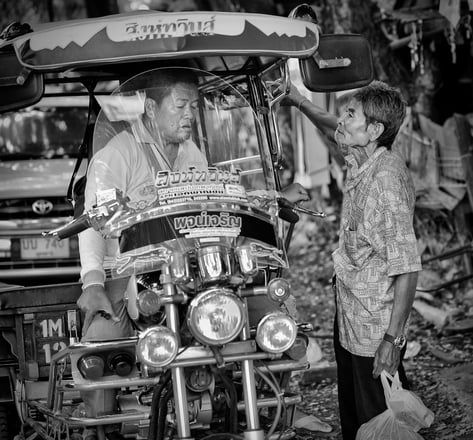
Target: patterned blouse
x,y
377,242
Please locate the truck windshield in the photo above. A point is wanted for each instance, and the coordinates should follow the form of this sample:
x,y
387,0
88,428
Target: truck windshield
x,y
47,130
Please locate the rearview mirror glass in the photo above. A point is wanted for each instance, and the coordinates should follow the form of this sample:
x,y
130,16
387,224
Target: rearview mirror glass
x,y
342,62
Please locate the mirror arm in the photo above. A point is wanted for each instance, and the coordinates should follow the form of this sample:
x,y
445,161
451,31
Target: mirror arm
x,y
286,87
18,80
23,76
284,90
277,159
331,63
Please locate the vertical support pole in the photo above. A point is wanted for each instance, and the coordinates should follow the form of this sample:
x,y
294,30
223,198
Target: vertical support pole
x,y
253,431
177,373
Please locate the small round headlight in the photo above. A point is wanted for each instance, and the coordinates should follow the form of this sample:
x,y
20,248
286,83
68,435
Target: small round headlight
x,y
215,316
276,332
157,346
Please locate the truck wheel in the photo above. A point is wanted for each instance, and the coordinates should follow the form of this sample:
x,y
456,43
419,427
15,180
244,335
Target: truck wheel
x,y
9,422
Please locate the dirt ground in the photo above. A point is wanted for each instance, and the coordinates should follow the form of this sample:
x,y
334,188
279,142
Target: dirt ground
x,y
439,360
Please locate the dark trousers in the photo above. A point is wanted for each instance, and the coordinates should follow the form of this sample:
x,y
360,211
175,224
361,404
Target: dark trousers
x,y
360,397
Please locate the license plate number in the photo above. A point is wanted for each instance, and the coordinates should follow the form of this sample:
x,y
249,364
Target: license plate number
x,y
47,333
43,248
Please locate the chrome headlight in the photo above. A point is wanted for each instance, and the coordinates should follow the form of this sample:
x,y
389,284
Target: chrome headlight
x,y
276,332
180,267
247,261
157,346
215,263
216,316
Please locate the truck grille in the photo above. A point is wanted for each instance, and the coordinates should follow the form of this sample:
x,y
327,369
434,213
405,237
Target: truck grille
x,y
19,209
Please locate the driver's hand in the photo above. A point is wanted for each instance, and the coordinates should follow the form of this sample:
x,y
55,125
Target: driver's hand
x,y
295,193
94,300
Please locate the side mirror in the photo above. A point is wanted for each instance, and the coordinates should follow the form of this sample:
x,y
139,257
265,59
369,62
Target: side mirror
x,y
342,62
18,87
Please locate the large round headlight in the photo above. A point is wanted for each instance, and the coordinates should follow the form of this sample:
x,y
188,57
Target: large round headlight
x,y
215,316
276,332
157,346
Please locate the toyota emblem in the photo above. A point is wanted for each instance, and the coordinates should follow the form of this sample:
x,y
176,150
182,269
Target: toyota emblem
x,y
42,207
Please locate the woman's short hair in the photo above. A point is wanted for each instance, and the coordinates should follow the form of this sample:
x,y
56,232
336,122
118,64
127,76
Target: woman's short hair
x,y
385,104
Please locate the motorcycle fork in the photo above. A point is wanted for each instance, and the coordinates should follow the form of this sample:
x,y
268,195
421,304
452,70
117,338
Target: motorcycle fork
x,y
253,431
177,373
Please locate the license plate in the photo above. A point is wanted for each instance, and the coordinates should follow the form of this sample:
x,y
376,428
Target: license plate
x,y
43,248
45,334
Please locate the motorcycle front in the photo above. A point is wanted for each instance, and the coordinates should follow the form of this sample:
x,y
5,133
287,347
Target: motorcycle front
x,y
202,251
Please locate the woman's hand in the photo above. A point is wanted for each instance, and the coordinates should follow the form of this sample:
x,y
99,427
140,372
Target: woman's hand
x,y
294,97
295,193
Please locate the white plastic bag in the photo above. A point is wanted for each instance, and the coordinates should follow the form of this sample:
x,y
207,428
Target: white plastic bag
x,y
385,426
406,405
405,415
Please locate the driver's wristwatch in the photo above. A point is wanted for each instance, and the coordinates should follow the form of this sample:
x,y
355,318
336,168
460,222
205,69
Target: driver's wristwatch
x,y
397,341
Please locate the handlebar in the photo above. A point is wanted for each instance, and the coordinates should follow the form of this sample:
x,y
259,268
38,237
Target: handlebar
x,y
287,212
75,226
112,202
284,203
288,215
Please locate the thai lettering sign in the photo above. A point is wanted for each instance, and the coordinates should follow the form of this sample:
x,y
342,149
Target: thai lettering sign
x,y
208,224
168,27
196,186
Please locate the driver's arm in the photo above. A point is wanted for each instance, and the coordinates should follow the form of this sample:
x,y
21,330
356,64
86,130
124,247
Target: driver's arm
x,y
94,299
92,251
93,247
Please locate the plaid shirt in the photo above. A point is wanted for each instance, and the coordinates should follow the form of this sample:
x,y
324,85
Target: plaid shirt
x,y
377,242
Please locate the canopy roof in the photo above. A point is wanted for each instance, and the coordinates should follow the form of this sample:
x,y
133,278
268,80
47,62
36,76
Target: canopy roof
x,y
232,41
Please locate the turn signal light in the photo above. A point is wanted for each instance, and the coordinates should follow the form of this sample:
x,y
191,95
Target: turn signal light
x,y
199,379
121,364
91,366
279,290
148,302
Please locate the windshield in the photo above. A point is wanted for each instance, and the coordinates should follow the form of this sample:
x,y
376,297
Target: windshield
x,y
184,156
53,128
